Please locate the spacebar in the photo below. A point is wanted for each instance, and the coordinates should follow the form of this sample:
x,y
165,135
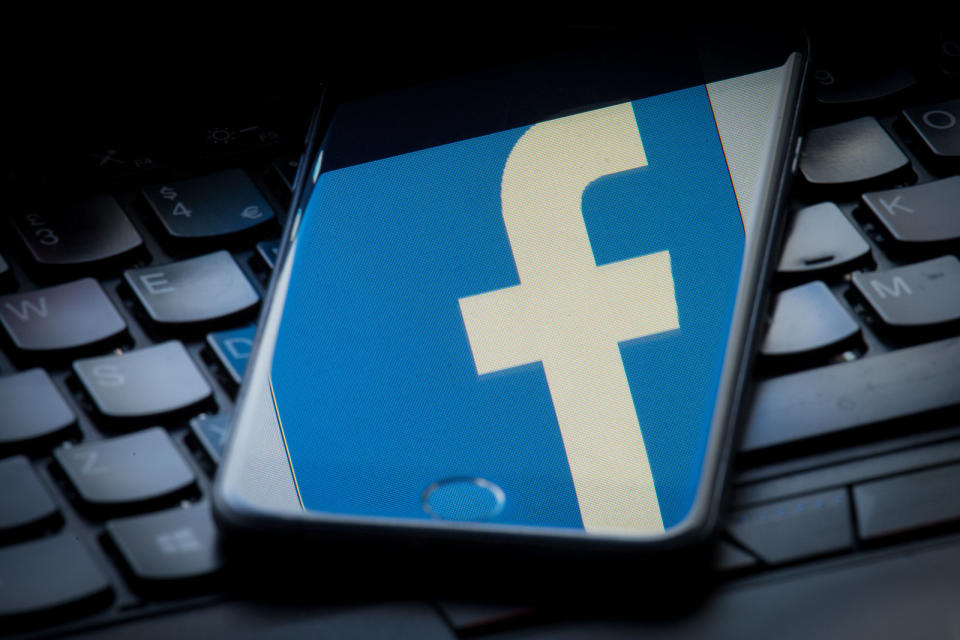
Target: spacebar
x,y
820,402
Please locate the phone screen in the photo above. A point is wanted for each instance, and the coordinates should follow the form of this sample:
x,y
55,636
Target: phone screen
x,y
520,316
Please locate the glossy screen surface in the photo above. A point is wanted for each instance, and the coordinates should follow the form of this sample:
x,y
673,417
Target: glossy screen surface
x,y
526,327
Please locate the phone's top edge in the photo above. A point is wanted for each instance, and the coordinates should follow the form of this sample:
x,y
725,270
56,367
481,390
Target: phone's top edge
x,y
527,77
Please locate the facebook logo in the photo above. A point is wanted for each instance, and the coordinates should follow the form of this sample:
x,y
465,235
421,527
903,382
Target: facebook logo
x,y
545,308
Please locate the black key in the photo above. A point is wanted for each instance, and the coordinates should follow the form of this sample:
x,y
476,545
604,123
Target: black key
x,y
729,557
269,250
907,502
214,205
6,275
867,82
821,239
174,545
286,169
232,350
114,160
794,529
85,233
33,411
808,320
850,152
925,213
947,53
241,135
937,126
135,471
201,289
211,432
829,400
25,505
146,382
475,617
917,295
68,316
50,576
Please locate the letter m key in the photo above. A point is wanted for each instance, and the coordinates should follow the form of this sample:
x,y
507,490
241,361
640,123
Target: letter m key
x,y
898,285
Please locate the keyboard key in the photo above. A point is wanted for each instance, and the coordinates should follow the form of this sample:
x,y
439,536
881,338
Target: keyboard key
x,y
82,234
146,382
214,205
25,505
286,169
202,289
134,471
729,557
469,618
794,529
211,432
232,350
850,152
174,545
907,502
33,411
947,53
937,126
49,576
808,320
821,239
6,275
67,316
269,250
924,213
917,295
843,84
840,397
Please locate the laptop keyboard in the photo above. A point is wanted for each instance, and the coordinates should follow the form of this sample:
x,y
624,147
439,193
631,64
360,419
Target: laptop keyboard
x,y
126,320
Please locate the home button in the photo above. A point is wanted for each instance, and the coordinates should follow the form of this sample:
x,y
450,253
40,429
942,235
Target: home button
x,y
463,499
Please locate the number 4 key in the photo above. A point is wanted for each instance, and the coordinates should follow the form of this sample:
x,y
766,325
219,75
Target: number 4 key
x,y
214,205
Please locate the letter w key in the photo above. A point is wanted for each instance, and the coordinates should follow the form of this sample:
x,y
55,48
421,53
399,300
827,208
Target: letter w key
x,y
571,315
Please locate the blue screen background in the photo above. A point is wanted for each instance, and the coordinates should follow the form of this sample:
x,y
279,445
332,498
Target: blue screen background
x,y
373,373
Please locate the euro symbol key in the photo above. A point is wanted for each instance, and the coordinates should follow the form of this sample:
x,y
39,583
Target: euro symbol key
x,y
571,314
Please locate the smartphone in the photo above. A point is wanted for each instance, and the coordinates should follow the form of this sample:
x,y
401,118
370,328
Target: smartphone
x,y
516,304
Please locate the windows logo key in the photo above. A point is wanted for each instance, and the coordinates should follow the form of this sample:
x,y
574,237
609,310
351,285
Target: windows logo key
x,y
543,310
